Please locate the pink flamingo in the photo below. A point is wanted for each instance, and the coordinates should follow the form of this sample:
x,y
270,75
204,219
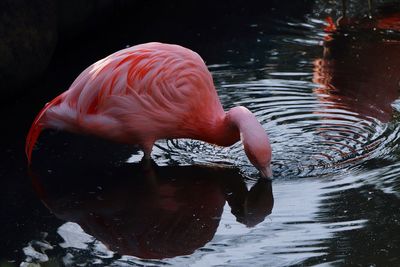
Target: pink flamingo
x,y
148,92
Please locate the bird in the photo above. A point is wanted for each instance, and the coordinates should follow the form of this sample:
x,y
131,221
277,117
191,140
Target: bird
x,y
148,92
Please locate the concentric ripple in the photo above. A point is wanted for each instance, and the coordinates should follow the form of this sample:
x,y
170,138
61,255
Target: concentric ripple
x,y
328,110
315,129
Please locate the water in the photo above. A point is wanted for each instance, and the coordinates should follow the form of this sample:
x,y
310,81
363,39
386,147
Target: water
x,y
328,100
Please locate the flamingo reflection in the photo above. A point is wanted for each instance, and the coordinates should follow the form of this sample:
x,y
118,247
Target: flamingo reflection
x,y
360,70
149,211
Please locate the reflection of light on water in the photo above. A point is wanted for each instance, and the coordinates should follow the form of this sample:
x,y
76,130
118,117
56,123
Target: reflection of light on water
x,y
35,251
396,104
291,234
76,243
135,157
76,239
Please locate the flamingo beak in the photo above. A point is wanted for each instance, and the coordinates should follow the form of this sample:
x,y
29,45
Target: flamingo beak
x,y
266,172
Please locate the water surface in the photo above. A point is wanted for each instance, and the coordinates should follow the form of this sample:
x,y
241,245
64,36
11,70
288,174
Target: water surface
x,y
329,101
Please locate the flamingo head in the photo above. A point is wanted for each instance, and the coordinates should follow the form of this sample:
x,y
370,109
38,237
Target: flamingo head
x,y
254,138
258,150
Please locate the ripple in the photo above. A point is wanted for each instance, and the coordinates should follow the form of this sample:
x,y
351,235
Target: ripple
x,y
310,134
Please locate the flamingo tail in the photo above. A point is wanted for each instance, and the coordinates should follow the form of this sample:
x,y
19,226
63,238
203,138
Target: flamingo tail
x,y
37,127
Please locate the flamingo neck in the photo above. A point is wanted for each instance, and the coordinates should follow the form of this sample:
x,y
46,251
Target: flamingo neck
x,y
222,132
243,120
230,128
251,132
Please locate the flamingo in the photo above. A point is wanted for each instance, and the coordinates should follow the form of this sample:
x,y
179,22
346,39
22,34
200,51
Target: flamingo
x,y
149,92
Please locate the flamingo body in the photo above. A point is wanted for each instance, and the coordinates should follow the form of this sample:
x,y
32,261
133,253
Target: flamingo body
x,y
148,92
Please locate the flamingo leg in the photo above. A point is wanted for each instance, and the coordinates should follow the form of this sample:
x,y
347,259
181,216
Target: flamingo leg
x,y
147,148
148,164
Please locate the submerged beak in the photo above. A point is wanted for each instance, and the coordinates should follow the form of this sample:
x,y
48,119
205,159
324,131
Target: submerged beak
x,y
266,172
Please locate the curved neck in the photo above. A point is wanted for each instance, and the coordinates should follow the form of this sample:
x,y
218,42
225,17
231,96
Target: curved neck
x,y
221,131
224,132
231,127
243,119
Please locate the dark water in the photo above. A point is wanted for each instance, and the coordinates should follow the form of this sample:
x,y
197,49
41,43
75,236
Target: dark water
x,y
327,98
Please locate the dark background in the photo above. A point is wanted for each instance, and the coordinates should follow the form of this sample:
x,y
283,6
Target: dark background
x,y
37,35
